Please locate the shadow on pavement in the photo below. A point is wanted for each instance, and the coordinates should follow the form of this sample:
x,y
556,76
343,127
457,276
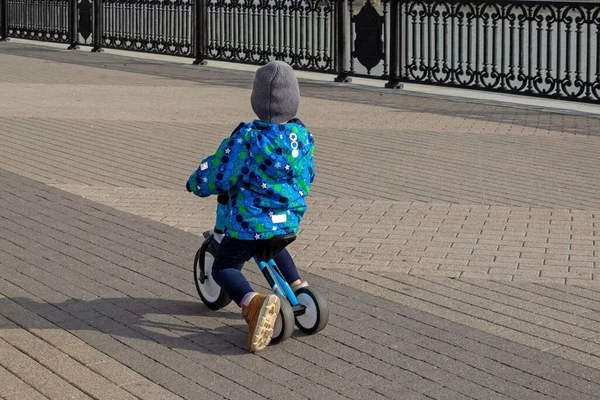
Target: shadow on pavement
x,y
175,324
518,115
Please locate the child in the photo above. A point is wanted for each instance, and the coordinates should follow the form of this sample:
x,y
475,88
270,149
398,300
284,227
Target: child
x,y
261,175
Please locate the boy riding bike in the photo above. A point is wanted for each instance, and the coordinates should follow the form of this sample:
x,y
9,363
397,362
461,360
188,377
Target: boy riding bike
x,y
261,174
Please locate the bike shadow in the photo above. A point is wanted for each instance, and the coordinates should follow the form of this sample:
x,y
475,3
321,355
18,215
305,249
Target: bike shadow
x,y
175,324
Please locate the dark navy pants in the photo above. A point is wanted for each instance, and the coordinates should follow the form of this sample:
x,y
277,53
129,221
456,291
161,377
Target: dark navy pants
x,y
230,258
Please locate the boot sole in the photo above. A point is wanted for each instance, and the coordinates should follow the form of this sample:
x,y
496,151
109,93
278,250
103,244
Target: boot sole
x,y
266,323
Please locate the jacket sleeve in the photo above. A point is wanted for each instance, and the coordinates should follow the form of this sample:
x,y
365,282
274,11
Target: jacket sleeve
x,y
218,173
307,175
311,165
311,144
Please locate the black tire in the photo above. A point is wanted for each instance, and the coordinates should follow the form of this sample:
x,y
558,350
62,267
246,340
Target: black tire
x,y
210,292
284,325
316,315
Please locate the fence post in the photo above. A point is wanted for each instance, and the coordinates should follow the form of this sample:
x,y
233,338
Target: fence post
x,y
395,46
3,20
341,49
73,25
97,27
200,32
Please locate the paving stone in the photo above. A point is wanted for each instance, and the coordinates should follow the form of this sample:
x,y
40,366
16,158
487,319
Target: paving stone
x,y
106,281
36,375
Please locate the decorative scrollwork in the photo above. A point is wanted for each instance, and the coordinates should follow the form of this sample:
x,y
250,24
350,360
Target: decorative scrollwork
x,y
415,67
539,48
127,27
45,20
440,71
572,84
300,32
489,76
544,83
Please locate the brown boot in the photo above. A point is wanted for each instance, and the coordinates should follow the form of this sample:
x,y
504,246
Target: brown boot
x,y
260,314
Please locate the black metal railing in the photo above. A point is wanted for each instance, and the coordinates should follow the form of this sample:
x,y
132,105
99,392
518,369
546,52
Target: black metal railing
x,y
46,20
157,26
546,49
300,32
539,48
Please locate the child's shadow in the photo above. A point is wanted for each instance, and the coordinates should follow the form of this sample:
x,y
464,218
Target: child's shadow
x,y
175,324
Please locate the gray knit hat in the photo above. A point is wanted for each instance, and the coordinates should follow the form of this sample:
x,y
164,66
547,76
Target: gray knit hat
x,y
275,94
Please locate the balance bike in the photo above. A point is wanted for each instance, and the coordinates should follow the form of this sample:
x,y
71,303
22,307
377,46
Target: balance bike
x,y
306,306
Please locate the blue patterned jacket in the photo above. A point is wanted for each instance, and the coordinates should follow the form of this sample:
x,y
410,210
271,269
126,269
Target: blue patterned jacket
x,y
266,170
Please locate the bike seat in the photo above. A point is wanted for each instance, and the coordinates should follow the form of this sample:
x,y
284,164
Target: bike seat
x,y
273,246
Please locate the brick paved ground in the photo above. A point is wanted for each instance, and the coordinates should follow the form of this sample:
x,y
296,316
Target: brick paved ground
x,y
455,241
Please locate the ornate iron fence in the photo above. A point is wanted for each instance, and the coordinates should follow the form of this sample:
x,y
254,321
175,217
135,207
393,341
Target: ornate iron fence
x,y
157,26
46,20
540,48
300,32
548,49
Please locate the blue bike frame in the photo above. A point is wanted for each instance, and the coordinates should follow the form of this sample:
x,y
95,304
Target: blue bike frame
x,y
278,284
